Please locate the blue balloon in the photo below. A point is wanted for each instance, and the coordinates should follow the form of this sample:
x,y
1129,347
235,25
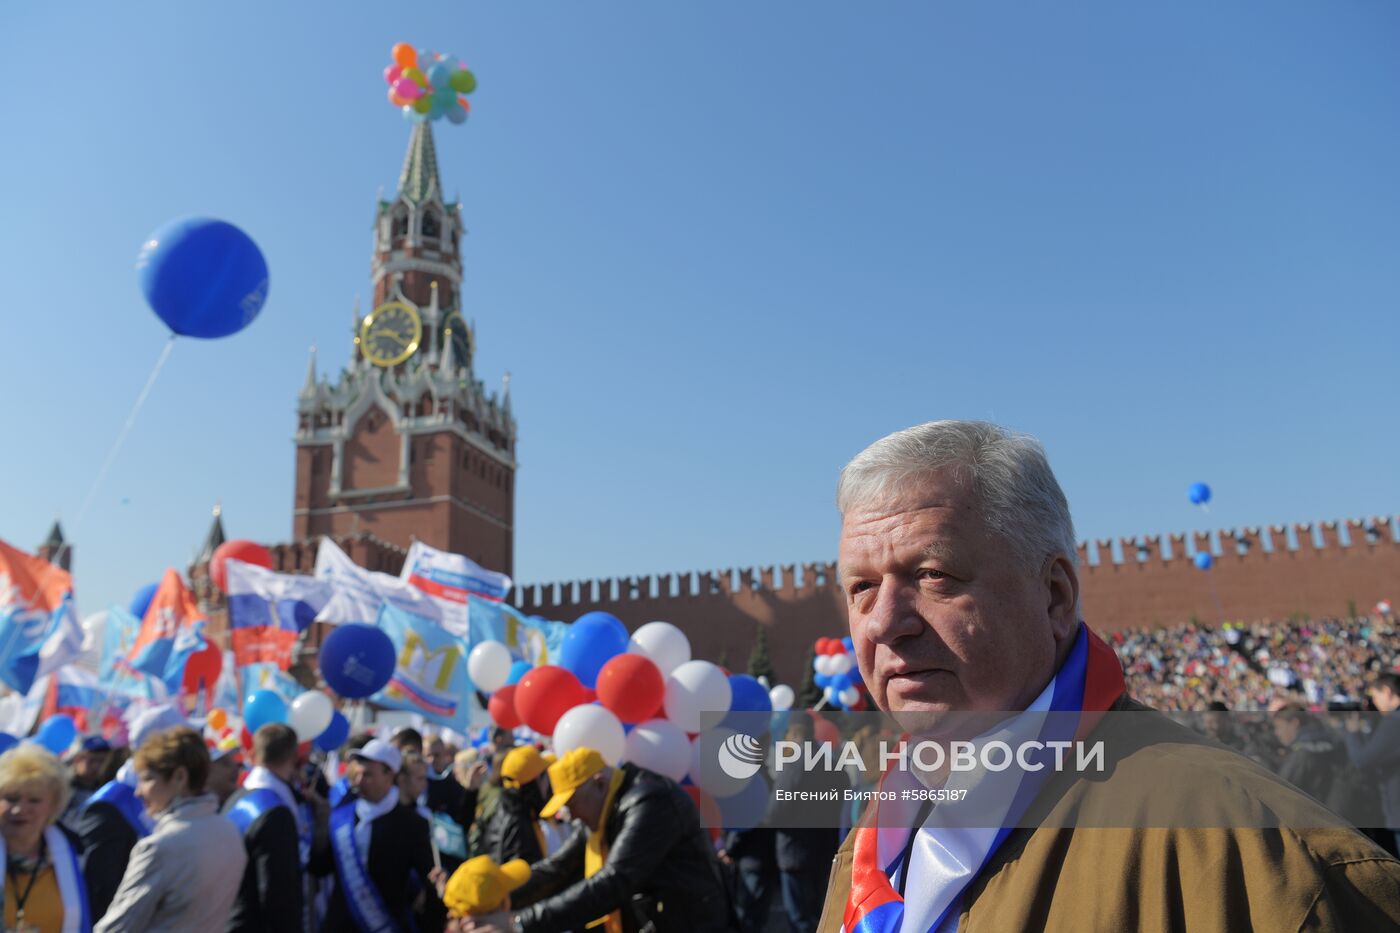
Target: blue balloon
x,y
455,114
357,660
202,277
438,76
335,734
142,600
518,669
746,696
57,733
592,641
823,680
262,707
849,643
749,807
7,742
1199,493
1204,560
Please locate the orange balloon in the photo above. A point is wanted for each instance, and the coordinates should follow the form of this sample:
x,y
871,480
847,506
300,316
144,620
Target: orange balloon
x,y
218,718
396,100
405,56
466,104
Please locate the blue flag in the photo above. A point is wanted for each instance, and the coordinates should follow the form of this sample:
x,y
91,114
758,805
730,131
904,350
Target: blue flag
x,y
430,676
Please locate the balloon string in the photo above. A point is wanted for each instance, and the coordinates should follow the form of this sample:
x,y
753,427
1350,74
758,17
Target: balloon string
x,y
112,453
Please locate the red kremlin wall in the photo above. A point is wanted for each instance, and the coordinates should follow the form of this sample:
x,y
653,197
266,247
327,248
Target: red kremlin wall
x,y
1278,573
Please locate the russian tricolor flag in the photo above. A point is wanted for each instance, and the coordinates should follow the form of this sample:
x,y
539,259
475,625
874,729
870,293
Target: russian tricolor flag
x,y
268,610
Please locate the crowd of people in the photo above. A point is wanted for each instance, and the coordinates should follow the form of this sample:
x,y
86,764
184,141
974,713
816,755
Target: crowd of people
x,y
184,830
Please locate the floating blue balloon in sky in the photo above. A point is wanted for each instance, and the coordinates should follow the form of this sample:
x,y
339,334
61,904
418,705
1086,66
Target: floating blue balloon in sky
x,y
1199,493
202,277
356,660
1204,561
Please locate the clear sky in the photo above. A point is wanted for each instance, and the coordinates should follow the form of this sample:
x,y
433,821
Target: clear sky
x,y
722,246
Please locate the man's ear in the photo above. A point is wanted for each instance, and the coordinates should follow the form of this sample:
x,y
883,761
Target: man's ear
x,y
1062,596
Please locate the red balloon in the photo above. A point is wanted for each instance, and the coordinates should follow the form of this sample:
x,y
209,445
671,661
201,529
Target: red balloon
x,y
632,687
502,708
245,738
709,810
250,552
546,693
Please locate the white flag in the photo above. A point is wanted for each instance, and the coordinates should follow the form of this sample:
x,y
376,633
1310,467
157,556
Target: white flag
x,y
358,594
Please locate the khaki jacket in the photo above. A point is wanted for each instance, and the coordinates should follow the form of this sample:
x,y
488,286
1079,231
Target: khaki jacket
x,y
1062,877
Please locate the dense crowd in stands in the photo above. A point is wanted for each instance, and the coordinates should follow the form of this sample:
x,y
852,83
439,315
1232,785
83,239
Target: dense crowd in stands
x,y
1258,665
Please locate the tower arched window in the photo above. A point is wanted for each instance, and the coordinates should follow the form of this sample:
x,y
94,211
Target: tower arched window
x,y
432,227
399,229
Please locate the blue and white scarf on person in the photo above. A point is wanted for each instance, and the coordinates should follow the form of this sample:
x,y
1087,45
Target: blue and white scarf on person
x,y
72,890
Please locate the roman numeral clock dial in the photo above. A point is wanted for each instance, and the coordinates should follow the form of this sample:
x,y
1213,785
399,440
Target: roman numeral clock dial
x,y
391,333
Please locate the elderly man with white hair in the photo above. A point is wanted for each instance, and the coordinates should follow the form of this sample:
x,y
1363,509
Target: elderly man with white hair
x,y
958,566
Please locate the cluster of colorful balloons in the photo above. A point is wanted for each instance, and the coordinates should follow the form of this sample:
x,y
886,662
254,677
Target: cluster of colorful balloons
x,y
429,85
835,672
641,699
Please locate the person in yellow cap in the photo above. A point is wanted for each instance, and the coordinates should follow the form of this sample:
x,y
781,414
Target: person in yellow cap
x,y
513,830
641,861
480,886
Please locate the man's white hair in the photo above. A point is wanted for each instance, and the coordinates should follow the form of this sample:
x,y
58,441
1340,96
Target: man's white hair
x,y
1007,472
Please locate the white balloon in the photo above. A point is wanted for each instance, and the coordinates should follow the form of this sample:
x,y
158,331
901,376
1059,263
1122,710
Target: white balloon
x,y
659,746
783,697
841,663
590,726
849,696
665,644
489,666
310,714
823,665
693,688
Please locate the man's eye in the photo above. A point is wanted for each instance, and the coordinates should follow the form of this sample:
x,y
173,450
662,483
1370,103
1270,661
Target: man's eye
x,y
929,573
861,587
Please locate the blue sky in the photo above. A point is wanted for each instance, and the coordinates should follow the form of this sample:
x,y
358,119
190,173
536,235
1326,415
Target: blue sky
x,y
721,247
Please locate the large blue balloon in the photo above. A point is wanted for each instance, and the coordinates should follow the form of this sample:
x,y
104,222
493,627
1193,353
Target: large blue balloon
x,y
357,660
57,733
593,640
334,735
1204,561
1199,493
7,742
142,600
746,695
203,277
262,707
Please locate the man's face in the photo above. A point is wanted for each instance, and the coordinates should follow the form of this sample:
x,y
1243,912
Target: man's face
x,y
87,766
586,804
370,779
1286,731
439,756
942,613
1384,699
223,776
413,779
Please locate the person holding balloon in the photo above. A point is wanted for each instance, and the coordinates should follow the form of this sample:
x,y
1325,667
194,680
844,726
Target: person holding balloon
x,y
185,874
45,891
277,826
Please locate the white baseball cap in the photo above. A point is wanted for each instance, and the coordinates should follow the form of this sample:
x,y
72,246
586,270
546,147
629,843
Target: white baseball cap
x,y
382,752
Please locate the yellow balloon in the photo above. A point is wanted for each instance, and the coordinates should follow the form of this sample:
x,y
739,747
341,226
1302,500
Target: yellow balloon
x,y
416,75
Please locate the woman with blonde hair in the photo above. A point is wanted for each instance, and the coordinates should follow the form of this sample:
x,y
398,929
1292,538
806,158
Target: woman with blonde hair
x,y
44,889
185,874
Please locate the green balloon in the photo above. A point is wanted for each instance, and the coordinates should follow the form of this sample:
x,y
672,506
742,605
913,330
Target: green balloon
x,y
446,95
423,104
463,81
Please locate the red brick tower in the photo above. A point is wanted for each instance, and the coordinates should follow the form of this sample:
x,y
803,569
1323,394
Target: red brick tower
x,y
407,443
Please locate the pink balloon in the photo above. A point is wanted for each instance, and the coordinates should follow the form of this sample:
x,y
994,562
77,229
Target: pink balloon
x,y
391,74
408,89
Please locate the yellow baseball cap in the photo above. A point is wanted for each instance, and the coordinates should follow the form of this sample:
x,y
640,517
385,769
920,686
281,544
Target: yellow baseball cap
x,y
522,765
568,774
480,886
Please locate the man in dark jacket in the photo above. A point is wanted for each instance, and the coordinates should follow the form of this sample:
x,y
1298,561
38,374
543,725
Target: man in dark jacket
x,y
276,826
379,851
644,862
514,828
1312,755
805,844
1380,752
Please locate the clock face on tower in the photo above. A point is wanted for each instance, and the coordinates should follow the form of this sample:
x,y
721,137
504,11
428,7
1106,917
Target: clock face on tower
x,y
391,333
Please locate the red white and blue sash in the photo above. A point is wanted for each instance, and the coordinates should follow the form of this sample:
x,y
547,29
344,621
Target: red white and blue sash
x,y
943,857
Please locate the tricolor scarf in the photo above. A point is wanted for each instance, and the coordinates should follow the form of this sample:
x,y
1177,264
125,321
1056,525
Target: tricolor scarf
x,y
945,859
71,888
595,853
